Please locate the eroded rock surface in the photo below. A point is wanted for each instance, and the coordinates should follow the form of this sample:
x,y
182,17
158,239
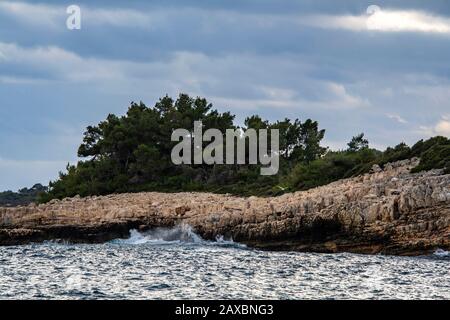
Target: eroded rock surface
x,y
389,211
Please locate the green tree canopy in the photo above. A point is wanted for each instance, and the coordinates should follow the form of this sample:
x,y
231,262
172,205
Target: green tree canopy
x,y
132,153
358,143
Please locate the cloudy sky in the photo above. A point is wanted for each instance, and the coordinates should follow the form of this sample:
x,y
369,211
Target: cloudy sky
x,y
355,67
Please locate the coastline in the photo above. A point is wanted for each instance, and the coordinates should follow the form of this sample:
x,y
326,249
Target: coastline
x,y
390,211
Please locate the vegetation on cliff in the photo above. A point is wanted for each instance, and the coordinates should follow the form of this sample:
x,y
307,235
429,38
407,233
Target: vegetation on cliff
x,y
131,153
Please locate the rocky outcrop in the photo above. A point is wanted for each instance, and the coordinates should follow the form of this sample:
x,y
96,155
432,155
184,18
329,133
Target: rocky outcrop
x,y
388,211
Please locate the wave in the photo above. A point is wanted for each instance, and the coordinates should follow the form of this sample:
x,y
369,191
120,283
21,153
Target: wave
x,y
441,253
181,234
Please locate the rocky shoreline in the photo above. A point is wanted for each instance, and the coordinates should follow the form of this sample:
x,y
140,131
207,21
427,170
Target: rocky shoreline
x,y
389,211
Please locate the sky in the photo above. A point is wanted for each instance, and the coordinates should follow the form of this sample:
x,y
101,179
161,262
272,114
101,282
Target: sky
x,y
378,67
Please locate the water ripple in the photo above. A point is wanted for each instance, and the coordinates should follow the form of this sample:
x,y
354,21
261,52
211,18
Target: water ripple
x,y
206,270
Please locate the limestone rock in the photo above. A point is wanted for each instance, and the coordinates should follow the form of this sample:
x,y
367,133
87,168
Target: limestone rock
x,y
375,169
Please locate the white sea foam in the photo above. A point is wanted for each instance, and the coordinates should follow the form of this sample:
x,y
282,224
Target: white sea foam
x,y
441,253
181,234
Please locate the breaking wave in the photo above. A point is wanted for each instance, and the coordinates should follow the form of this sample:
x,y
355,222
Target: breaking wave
x,y
181,234
441,253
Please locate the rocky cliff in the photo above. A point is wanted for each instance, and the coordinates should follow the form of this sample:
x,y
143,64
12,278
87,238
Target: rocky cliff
x,y
389,211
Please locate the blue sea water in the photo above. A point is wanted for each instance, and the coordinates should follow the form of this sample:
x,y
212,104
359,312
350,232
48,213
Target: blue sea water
x,y
177,264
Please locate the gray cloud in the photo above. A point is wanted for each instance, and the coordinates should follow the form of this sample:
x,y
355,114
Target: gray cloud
x,y
296,59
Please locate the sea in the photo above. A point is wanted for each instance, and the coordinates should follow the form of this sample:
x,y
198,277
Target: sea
x,y
178,264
